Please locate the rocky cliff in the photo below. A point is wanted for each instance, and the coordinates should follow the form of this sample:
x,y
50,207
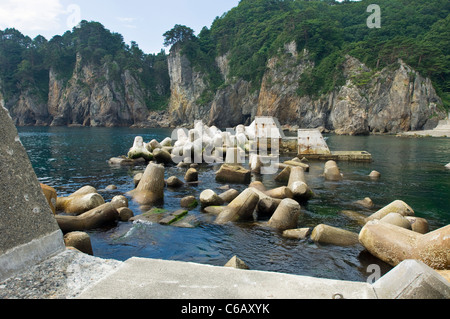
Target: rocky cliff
x,y
232,105
395,99
95,95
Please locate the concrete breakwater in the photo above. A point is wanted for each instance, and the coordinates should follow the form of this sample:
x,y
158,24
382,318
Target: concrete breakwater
x,y
38,266
279,208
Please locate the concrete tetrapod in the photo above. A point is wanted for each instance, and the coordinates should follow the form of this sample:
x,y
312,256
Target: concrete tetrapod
x,y
150,189
50,195
210,198
280,193
266,204
325,234
419,225
233,174
397,206
286,215
139,150
394,244
283,176
241,208
297,184
332,172
92,219
397,219
229,195
79,204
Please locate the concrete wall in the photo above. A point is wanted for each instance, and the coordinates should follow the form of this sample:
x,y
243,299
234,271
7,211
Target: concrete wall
x,y
29,232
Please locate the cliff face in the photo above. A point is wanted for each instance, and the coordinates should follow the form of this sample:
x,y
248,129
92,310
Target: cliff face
x,y
232,105
395,99
187,86
95,95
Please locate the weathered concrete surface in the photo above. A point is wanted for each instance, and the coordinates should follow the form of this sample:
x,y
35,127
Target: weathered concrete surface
x,y
312,142
412,280
64,276
74,275
28,230
157,279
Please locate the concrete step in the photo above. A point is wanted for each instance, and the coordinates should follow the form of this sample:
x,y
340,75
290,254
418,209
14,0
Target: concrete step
x,y
140,278
157,279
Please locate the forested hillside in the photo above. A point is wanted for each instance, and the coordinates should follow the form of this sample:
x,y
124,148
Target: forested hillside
x,y
25,63
311,63
416,31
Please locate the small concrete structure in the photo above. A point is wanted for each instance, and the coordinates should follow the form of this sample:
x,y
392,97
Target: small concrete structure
x,y
311,142
312,145
266,127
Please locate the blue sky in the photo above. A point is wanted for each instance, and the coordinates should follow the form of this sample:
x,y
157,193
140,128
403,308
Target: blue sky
x,y
137,20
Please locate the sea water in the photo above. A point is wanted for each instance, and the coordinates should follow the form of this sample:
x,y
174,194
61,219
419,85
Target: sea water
x,y
412,170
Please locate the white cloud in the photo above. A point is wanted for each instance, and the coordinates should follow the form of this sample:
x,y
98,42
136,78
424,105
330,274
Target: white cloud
x,y
31,15
128,22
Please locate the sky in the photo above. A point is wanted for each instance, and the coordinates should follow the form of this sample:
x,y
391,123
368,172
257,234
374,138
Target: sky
x,y
143,21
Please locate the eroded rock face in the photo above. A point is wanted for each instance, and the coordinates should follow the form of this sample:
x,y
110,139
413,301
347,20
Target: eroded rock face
x,y
88,101
392,100
186,88
95,95
395,99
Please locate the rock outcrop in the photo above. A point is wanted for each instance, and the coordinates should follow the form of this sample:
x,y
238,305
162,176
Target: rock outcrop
x,y
395,99
97,94
92,97
234,104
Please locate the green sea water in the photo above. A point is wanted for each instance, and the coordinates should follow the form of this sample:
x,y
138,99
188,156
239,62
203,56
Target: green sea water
x,y
413,170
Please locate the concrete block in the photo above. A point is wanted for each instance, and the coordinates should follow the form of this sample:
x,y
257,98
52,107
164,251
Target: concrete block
x,y
412,279
29,232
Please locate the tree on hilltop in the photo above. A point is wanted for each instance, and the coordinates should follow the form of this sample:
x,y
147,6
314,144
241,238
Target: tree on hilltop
x,y
179,33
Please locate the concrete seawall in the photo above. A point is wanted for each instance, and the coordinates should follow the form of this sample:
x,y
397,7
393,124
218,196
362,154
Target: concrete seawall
x,y
442,130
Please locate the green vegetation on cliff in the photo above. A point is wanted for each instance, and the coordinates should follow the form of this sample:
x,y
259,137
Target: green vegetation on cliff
x,y
416,31
324,31
25,63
